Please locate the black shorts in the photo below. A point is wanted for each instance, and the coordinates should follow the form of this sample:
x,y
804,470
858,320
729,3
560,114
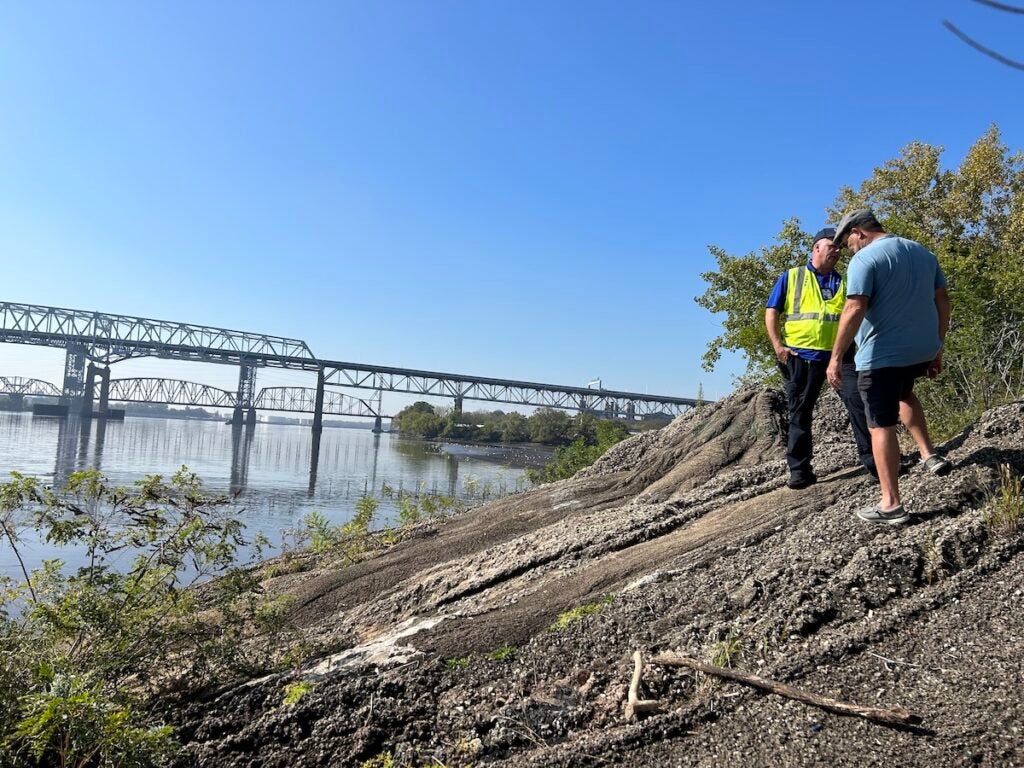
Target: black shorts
x,y
882,390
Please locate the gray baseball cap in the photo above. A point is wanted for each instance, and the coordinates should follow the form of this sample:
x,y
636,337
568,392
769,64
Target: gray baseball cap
x,y
858,217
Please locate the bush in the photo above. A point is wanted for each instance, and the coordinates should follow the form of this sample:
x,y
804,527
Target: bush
x,y
83,650
570,459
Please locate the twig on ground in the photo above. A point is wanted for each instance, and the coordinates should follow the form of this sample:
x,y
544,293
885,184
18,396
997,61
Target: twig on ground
x,y
888,661
634,704
527,731
894,716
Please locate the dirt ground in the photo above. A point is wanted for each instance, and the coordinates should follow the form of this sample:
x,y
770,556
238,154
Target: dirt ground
x,y
442,650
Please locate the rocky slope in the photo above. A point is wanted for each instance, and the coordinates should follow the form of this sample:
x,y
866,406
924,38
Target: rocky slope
x,y
685,539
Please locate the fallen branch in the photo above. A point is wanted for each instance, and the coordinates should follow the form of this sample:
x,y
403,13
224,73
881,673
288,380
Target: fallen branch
x,y
634,704
894,716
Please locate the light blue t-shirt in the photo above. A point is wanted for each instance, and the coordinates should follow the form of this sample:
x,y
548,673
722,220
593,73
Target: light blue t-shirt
x,y
901,327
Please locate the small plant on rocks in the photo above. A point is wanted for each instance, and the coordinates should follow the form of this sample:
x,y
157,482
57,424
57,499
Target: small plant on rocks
x,y
505,653
294,692
578,613
383,760
1003,512
931,553
727,651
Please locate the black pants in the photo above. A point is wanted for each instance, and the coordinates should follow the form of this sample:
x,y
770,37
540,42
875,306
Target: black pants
x,y
804,380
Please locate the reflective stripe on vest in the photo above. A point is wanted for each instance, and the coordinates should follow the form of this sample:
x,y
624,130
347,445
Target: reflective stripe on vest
x,y
810,322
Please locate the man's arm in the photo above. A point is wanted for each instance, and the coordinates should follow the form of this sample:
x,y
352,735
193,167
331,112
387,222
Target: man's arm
x,y
771,322
849,323
943,306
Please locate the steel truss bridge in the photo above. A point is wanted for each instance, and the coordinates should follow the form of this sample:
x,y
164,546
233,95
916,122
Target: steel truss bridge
x,y
191,393
19,386
94,340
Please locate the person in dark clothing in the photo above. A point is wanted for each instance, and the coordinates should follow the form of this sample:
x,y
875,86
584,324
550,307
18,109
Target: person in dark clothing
x,y
802,318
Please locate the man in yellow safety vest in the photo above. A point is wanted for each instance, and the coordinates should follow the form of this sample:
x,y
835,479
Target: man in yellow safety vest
x,y
802,318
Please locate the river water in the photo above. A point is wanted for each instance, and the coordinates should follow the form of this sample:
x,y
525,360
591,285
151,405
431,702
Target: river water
x,y
270,467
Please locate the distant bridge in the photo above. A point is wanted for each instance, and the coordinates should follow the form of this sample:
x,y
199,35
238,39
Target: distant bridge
x,y
194,394
94,340
17,385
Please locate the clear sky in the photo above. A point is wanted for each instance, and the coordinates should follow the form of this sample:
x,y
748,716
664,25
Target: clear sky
x,y
512,189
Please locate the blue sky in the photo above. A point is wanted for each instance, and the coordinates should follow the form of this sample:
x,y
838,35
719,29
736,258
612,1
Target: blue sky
x,y
514,189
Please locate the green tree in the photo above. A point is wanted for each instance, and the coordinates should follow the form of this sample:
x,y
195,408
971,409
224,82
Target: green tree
x,y
514,428
550,426
419,420
739,290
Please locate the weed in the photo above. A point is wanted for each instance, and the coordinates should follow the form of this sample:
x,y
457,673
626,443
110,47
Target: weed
x,y
323,536
726,651
505,653
578,613
383,760
409,511
391,536
294,692
931,553
288,563
460,662
1003,512
365,509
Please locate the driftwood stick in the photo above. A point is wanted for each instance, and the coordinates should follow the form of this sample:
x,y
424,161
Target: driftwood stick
x,y
894,716
634,704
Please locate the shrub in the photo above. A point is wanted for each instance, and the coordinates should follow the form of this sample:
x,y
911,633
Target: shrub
x,y
82,650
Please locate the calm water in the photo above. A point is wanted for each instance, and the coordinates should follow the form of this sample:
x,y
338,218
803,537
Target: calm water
x,y
270,467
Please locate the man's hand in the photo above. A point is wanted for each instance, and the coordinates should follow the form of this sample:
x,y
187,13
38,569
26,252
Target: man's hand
x,y
783,354
935,366
834,372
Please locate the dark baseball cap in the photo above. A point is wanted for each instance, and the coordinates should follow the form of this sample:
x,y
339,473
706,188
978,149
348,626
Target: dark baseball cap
x,y
858,217
826,233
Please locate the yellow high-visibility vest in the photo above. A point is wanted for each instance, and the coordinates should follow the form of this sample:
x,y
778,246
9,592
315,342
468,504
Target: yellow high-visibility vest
x,y
810,322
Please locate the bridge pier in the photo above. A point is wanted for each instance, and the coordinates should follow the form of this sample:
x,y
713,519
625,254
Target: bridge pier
x,y
318,410
104,392
17,402
88,392
250,418
377,428
74,375
458,407
246,389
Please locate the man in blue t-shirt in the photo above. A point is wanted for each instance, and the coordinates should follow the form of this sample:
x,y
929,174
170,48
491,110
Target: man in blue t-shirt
x,y
898,307
803,368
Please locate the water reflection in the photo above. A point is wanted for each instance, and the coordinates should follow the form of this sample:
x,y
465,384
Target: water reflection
x,y
279,473
314,462
241,443
276,468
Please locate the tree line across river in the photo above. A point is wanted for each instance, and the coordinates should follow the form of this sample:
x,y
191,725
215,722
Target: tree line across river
x,y
545,426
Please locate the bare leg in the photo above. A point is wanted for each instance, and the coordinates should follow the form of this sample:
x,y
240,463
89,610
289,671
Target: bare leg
x,y
886,449
912,416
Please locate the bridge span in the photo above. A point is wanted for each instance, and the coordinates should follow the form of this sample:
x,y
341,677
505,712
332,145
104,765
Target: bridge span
x,y
93,341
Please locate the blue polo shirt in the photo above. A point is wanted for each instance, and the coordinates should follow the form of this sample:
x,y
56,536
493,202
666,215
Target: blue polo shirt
x,y
829,285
